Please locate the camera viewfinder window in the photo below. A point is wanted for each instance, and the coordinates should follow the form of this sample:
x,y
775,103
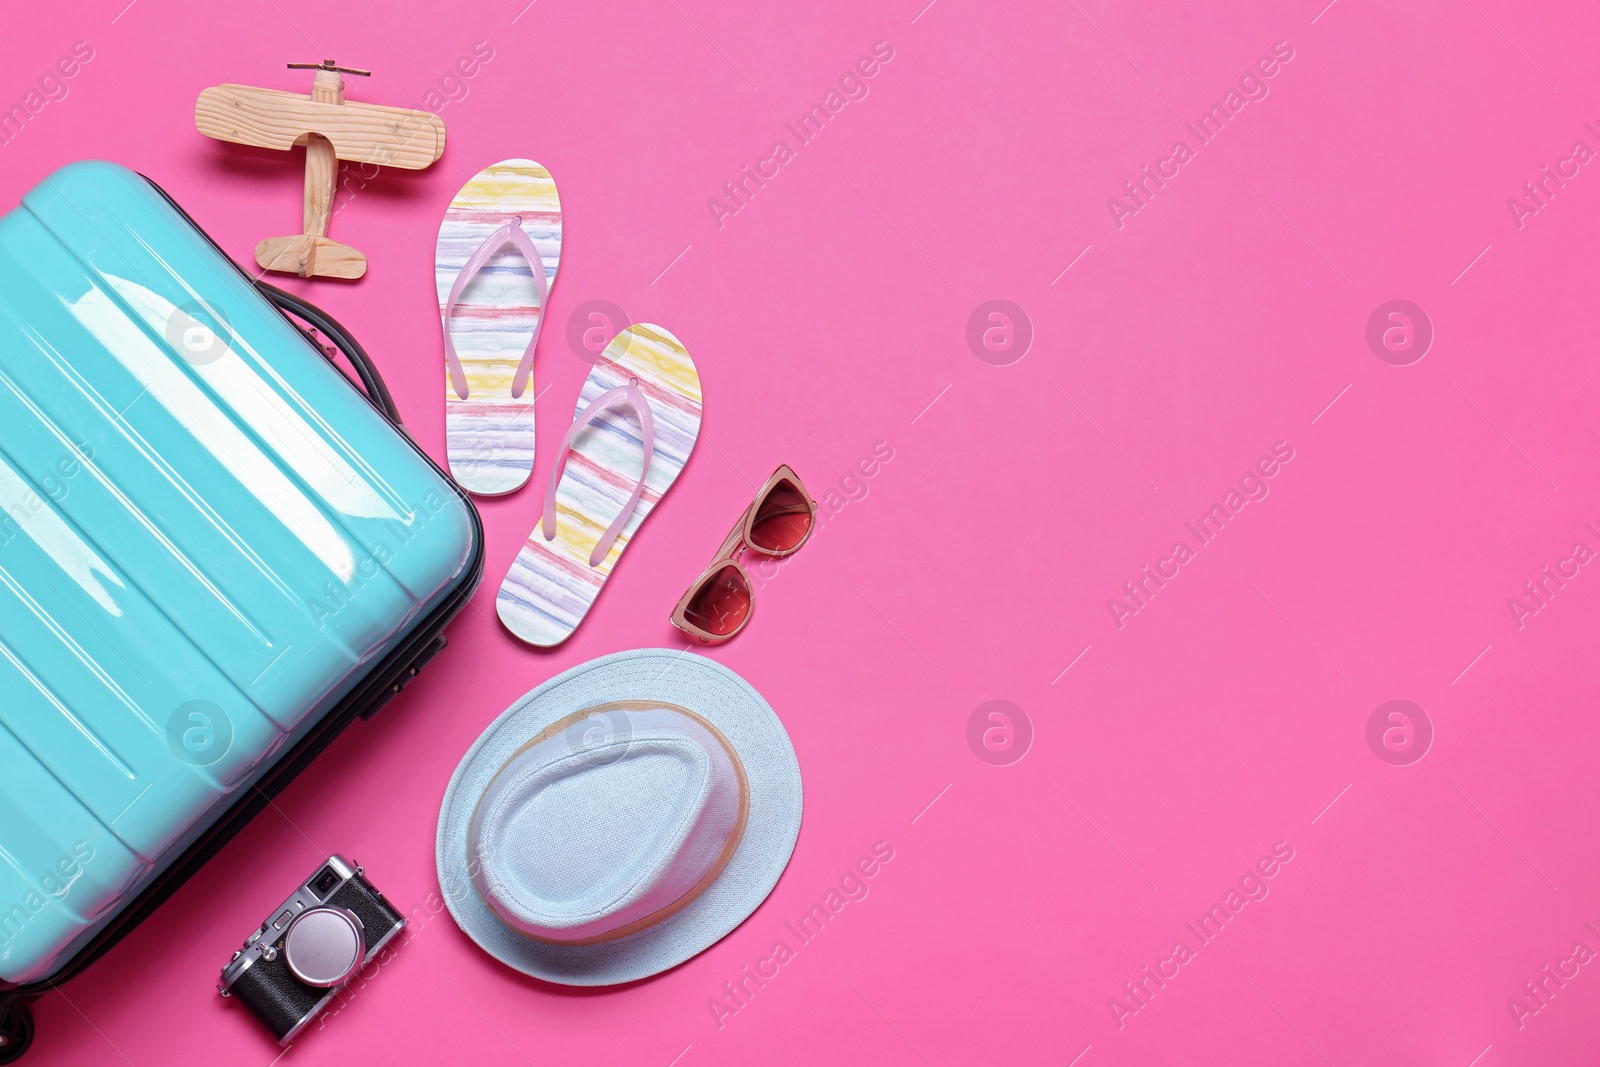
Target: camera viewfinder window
x,y
324,882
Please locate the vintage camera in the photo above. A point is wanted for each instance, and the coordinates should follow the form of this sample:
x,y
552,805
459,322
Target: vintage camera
x,y
310,946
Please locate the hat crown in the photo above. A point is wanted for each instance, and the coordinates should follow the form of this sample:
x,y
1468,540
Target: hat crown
x,y
607,822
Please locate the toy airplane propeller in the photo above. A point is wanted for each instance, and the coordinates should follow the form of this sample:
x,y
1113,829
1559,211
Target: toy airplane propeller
x,y
331,130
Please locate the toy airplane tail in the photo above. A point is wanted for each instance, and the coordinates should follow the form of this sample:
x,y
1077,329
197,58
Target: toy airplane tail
x,y
309,255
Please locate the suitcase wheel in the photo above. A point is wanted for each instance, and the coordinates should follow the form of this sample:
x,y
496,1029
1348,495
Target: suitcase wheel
x,y
16,1030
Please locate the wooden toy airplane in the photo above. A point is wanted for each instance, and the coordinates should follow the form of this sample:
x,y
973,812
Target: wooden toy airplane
x,y
331,130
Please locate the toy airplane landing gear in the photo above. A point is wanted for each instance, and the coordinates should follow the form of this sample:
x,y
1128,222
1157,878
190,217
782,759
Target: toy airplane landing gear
x,y
331,130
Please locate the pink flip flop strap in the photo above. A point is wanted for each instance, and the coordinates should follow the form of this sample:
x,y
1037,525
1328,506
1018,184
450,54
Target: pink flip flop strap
x,y
512,233
634,397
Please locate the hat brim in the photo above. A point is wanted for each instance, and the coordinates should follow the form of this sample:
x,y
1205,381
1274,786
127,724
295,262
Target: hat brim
x,y
676,677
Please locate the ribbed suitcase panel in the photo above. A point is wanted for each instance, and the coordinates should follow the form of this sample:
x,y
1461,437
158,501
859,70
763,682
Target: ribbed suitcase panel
x,y
206,538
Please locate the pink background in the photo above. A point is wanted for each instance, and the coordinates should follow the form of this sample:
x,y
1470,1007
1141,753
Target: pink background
x,y
829,314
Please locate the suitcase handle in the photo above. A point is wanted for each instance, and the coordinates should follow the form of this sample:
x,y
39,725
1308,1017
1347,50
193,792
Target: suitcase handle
x,y
289,304
329,327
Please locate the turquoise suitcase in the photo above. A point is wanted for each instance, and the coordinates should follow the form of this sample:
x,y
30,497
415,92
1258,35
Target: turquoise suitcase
x,y
215,553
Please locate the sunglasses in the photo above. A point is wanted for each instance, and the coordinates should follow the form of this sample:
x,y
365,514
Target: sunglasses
x,y
720,602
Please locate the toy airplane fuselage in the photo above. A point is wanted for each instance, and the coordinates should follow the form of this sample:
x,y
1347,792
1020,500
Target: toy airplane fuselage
x,y
331,130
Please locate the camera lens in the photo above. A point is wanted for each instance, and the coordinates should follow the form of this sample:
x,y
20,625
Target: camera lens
x,y
323,946
324,881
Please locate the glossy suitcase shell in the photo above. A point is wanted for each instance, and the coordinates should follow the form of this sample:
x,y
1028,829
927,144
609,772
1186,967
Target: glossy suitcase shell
x,y
214,554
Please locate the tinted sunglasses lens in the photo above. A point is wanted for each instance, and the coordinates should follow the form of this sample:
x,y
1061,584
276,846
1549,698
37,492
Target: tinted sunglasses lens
x,y
782,521
721,604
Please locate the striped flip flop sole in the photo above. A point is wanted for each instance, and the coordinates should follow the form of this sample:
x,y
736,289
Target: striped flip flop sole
x,y
489,436
551,585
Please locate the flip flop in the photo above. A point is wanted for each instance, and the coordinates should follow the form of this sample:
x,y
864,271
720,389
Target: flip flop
x,y
491,307
636,422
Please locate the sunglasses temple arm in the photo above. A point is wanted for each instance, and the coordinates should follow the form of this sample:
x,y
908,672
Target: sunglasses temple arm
x,y
730,544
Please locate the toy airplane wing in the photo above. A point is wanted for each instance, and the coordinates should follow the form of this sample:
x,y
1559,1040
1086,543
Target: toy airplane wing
x,y
360,133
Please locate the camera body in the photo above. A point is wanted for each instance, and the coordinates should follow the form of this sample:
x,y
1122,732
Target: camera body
x,y
310,947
